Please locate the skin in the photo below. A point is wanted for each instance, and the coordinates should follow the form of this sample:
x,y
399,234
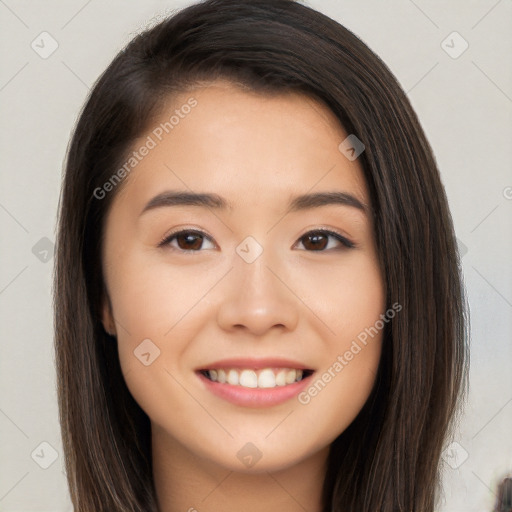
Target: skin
x,y
198,307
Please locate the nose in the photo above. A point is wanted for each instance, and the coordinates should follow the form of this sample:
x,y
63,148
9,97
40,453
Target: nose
x,y
258,297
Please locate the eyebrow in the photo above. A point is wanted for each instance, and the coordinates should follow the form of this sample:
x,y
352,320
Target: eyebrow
x,y
297,203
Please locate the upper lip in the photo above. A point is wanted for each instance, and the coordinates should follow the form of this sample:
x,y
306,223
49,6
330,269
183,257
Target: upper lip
x,y
244,362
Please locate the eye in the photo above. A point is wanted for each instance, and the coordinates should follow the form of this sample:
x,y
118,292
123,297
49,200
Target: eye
x,y
186,240
318,240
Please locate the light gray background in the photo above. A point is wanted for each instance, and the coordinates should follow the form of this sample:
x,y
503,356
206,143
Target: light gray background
x,y
464,104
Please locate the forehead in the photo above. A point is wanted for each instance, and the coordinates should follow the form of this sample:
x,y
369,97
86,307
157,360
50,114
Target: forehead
x,y
240,145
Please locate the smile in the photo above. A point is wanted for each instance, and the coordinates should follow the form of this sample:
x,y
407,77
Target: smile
x,y
250,378
255,382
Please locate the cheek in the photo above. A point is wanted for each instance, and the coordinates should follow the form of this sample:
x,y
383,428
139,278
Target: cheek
x,y
352,307
348,296
150,308
159,310
339,391
148,297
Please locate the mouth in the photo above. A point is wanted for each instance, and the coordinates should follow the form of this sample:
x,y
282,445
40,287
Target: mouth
x,y
263,378
255,382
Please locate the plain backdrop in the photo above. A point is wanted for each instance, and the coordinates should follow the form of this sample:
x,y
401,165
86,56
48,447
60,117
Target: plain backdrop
x,y
463,97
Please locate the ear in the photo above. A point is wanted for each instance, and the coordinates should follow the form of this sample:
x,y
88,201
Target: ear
x,y
107,318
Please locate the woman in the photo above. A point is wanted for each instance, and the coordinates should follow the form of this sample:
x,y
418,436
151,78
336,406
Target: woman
x,y
258,296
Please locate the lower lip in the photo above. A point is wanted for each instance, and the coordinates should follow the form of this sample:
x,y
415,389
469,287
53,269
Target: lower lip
x,y
255,397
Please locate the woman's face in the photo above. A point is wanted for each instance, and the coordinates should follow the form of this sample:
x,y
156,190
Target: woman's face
x,y
253,288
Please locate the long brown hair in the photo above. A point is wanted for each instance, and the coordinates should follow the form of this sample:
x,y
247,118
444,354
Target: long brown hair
x,y
388,458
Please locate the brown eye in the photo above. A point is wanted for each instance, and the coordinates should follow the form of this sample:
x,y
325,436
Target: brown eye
x,y
191,241
319,241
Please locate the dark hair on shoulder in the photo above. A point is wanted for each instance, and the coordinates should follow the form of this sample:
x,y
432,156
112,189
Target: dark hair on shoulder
x,y
388,458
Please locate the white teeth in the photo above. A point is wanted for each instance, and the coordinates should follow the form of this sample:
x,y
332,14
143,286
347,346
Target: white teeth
x,y
265,378
281,378
233,377
248,379
290,376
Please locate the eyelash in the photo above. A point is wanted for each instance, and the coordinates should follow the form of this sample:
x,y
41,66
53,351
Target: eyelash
x,y
346,243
